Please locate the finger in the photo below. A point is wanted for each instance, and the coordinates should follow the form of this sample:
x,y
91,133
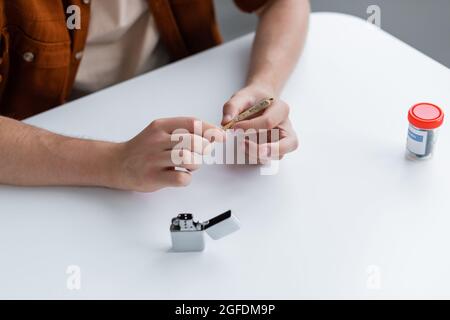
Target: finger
x,y
287,144
188,167
175,178
188,141
250,148
271,117
271,151
253,151
236,105
188,125
182,158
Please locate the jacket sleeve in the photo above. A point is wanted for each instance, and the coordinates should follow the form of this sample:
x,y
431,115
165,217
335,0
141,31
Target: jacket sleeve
x,y
250,5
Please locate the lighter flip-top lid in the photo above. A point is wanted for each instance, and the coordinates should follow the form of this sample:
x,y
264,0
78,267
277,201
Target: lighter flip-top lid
x,y
222,225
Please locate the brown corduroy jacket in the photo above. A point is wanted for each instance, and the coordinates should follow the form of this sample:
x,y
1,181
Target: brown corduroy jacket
x,y
40,55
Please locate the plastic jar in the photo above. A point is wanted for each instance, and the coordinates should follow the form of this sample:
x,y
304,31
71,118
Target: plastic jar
x,y
424,122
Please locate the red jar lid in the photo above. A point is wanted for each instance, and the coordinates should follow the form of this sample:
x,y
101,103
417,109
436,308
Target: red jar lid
x,y
426,116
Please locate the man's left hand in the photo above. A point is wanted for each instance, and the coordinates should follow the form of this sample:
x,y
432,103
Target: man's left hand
x,y
275,116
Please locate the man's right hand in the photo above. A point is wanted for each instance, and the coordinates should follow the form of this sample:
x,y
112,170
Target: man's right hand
x,y
31,156
145,162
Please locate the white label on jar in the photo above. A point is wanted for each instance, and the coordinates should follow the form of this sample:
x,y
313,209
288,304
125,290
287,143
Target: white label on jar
x,y
417,141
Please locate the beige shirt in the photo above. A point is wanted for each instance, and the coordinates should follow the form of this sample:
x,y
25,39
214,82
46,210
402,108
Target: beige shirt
x,y
122,42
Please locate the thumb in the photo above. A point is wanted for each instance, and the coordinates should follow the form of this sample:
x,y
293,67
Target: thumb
x,y
236,105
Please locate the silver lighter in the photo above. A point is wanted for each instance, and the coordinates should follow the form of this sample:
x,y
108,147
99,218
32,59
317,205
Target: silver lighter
x,y
187,234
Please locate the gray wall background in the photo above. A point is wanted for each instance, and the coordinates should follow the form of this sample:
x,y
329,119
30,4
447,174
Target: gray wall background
x,y
424,24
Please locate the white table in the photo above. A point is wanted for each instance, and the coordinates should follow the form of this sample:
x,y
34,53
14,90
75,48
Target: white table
x,y
346,217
